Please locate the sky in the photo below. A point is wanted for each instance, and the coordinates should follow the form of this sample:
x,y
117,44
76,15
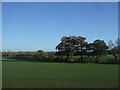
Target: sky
x,y
32,26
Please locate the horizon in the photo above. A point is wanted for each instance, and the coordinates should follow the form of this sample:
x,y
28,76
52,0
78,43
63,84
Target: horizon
x,y
30,26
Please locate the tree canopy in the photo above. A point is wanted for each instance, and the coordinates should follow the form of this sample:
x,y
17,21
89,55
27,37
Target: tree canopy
x,y
77,45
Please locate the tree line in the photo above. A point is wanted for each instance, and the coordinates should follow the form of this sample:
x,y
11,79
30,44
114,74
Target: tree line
x,y
39,55
73,49
78,46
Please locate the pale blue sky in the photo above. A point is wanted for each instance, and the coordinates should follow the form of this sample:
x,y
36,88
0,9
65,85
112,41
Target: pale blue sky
x,y
33,26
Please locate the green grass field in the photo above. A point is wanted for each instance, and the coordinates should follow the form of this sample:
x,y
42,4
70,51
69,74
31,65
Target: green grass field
x,y
58,75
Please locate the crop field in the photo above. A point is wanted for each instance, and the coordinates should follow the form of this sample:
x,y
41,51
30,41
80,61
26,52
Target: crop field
x,y
58,75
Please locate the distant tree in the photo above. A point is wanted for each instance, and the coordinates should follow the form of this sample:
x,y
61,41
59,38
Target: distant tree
x,y
41,54
40,51
114,49
99,48
118,45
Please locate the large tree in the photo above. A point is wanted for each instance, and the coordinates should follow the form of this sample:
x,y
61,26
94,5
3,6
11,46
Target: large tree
x,y
99,48
66,46
80,46
71,45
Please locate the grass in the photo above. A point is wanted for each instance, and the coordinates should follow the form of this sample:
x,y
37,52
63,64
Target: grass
x,y
59,75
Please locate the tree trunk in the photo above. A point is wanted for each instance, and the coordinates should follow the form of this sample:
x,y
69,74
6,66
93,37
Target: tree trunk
x,y
67,58
81,57
90,59
97,59
115,57
81,54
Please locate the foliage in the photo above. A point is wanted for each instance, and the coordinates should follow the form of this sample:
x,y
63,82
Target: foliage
x,y
114,49
77,46
71,45
73,49
99,48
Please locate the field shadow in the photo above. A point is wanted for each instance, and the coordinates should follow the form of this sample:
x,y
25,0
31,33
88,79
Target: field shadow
x,y
24,60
